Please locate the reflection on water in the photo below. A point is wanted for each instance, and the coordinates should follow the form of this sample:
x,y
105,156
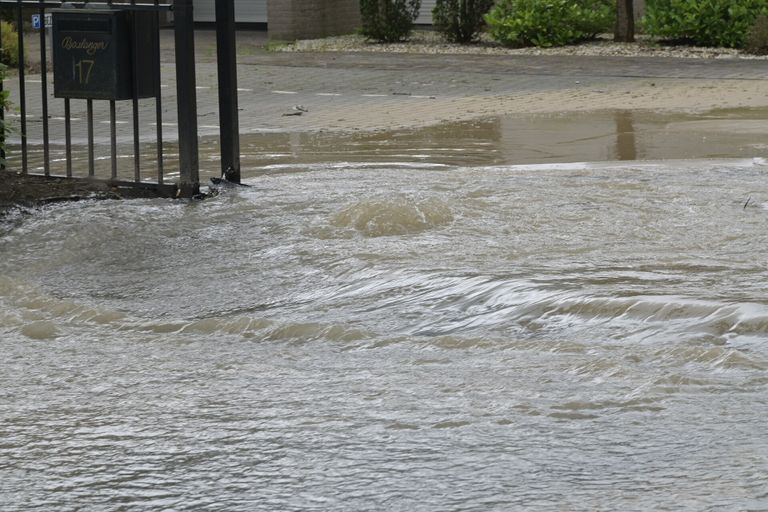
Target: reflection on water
x,y
626,142
573,137
580,137
148,160
381,331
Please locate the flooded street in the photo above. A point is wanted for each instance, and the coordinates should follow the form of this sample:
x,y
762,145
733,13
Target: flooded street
x,y
463,318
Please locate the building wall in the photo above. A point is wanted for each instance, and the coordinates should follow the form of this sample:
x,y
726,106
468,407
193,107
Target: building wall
x,y
425,13
255,11
639,9
289,19
308,19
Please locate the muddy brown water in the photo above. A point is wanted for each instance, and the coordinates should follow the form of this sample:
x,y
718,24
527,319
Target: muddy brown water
x,y
587,137
497,315
524,139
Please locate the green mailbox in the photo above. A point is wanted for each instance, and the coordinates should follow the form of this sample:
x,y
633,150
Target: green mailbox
x,y
104,54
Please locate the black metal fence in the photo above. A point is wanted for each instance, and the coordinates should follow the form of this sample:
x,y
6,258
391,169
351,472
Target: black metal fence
x,y
76,156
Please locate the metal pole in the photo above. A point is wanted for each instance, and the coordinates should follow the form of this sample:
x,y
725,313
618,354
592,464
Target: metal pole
x,y
229,124
113,128
22,91
2,116
44,90
158,100
135,74
189,158
113,137
91,144
68,134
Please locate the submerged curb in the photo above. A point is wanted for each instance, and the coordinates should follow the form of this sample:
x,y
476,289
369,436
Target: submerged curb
x,y
33,190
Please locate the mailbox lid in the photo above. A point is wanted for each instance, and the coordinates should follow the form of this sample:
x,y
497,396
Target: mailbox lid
x,y
91,54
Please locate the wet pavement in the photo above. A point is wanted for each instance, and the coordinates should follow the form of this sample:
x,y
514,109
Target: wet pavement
x,y
374,91
538,107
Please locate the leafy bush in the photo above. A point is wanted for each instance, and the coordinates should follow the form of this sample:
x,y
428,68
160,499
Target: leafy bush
x,y
757,37
9,56
388,21
11,15
549,22
704,22
10,45
460,21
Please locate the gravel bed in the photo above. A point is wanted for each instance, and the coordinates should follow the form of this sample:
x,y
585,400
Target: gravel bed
x,y
430,42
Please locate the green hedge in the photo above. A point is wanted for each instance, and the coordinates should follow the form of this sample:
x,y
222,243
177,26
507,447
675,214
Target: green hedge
x,y
548,23
10,45
703,22
388,21
460,21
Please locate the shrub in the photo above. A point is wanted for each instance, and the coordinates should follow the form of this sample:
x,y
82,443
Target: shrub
x,y
11,15
8,56
10,45
460,21
549,22
388,21
703,22
757,37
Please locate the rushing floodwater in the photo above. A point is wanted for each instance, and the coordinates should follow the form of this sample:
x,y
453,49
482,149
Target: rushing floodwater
x,y
394,337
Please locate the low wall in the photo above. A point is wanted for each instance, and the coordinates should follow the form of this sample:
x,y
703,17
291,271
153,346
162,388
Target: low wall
x,y
308,19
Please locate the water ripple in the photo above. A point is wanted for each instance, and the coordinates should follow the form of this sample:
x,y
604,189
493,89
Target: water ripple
x,y
387,337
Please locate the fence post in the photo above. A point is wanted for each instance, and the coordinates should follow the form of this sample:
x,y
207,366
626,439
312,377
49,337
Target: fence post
x,y
2,112
189,158
228,117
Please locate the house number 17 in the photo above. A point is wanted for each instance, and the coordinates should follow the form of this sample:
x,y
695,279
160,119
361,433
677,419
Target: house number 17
x,y
83,69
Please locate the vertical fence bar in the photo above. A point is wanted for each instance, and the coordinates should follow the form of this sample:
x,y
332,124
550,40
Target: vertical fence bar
x,y
2,114
91,156
184,38
227,66
68,135
136,146
113,137
158,102
22,90
44,90
113,130
189,158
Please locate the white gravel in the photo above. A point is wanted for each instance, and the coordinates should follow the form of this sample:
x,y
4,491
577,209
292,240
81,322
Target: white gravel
x,y
429,42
